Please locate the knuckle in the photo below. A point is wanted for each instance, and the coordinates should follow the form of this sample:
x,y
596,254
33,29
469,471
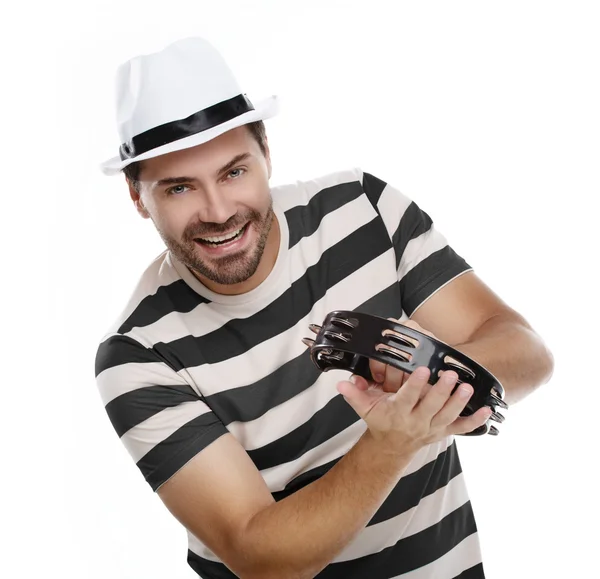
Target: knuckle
x,y
377,370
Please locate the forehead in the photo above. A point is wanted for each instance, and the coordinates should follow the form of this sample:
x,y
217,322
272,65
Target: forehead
x,y
201,161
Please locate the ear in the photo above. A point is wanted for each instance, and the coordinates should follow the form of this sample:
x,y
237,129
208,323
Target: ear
x,y
137,200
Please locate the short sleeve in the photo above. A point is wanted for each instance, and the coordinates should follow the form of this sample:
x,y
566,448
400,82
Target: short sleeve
x,y
424,260
162,421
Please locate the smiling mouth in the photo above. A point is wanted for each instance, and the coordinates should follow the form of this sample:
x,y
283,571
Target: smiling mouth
x,y
217,240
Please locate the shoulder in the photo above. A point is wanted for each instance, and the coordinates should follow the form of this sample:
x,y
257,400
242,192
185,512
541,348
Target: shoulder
x,y
301,192
147,294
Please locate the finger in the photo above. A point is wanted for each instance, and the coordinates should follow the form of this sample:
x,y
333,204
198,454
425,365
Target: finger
x,y
377,371
438,395
360,382
394,379
409,394
362,401
465,424
425,390
455,405
389,386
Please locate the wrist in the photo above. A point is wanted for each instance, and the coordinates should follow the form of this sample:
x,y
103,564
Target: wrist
x,y
401,451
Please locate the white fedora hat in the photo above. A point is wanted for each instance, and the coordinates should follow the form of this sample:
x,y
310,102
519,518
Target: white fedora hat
x,y
180,97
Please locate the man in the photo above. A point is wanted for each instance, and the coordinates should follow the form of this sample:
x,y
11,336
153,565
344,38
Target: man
x,y
277,470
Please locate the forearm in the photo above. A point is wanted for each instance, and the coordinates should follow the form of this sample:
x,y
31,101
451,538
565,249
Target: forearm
x,y
298,536
510,349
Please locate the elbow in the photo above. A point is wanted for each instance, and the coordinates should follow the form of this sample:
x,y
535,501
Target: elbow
x,y
538,371
541,361
544,369
548,366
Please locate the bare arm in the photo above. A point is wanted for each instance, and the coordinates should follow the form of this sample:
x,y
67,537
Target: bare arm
x,y
293,538
222,499
469,316
513,352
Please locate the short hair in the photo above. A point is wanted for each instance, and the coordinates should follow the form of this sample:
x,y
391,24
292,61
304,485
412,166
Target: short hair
x,y
257,130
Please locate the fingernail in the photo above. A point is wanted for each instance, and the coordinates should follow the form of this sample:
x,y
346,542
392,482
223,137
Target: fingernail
x,y
421,372
352,378
378,377
464,392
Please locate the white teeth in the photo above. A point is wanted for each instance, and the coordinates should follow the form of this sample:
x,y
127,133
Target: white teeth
x,y
222,237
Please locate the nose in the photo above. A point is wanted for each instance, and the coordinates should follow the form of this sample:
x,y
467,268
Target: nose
x,y
217,207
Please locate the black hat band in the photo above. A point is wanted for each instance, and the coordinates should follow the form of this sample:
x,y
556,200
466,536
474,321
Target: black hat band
x,y
175,130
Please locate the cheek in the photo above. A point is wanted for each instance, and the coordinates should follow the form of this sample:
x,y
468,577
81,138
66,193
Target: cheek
x,y
262,200
254,192
173,226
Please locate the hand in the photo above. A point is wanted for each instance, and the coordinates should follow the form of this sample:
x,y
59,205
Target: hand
x,y
405,421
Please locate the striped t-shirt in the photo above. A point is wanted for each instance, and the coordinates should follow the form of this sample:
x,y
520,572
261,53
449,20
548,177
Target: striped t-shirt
x,y
183,365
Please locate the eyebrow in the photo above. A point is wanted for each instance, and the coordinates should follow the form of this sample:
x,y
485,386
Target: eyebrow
x,y
223,169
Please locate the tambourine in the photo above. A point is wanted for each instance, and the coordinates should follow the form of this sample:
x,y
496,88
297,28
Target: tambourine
x,y
347,340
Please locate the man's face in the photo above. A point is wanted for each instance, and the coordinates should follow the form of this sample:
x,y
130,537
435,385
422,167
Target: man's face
x,y
212,206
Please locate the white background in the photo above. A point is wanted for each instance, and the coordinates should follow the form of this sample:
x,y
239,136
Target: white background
x,y
485,113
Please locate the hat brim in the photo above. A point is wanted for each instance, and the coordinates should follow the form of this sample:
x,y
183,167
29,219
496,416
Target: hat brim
x,y
263,110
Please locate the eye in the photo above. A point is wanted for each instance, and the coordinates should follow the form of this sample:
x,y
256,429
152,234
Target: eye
x,y
177,189
235,173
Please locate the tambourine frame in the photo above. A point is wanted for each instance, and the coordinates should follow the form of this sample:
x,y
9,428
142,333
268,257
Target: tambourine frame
x,y
347,340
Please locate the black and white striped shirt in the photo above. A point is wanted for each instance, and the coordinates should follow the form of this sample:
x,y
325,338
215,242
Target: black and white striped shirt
x,y
183,365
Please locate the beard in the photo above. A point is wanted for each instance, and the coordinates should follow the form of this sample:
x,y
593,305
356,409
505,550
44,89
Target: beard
x,y
228,269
